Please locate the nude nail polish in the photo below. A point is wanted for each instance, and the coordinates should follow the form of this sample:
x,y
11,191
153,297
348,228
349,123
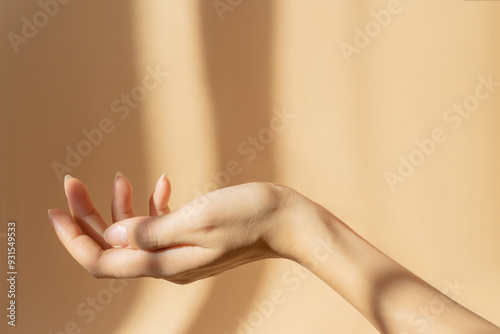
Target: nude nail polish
x,y
116,235
160,180
66,178
118,174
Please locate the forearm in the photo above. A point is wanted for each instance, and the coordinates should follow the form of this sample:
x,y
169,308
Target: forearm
x,y
246,223
387,294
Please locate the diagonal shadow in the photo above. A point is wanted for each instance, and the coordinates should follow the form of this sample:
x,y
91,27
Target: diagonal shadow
x,y
61,82
238,60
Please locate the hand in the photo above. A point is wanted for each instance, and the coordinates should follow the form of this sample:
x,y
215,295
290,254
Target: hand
x,y
236,225
211,234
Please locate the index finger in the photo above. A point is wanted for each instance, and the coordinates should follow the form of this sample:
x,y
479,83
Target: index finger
x,y
88,218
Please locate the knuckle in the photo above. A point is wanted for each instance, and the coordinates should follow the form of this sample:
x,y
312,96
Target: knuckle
x,y
145,237
268,193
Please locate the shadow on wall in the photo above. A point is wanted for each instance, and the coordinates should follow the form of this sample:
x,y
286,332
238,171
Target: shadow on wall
x,y
62,81
238,60
59,85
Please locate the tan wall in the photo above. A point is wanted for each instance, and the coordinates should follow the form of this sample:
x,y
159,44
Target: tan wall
x,y
227,78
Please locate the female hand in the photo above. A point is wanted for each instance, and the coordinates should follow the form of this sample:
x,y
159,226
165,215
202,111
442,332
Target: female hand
x,y
213,233
236,225
239,224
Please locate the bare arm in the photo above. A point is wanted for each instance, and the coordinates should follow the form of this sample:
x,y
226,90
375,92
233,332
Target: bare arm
x,y
387,294
240,224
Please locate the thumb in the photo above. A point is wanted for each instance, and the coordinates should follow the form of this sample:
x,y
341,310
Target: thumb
x,y
148,233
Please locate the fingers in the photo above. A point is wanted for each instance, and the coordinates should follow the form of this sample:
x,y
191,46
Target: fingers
x,y
121,205
83,234
82,247
150,233
158,203
113,262
83,211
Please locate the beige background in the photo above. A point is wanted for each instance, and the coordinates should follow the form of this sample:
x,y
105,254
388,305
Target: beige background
x,y
227,77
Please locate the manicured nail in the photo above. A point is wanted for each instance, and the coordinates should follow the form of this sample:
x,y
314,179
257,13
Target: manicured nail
x,y
160,180
66,178
117,175
50,218
116,235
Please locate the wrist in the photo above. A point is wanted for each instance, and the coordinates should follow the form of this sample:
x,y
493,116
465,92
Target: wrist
x,y
304,231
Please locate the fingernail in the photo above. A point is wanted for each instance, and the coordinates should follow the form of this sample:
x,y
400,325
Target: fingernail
x,y
117,175
160,180
50,218
116,235
66,178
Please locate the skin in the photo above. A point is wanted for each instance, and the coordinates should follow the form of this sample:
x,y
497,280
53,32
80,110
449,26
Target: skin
x,y
236,225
